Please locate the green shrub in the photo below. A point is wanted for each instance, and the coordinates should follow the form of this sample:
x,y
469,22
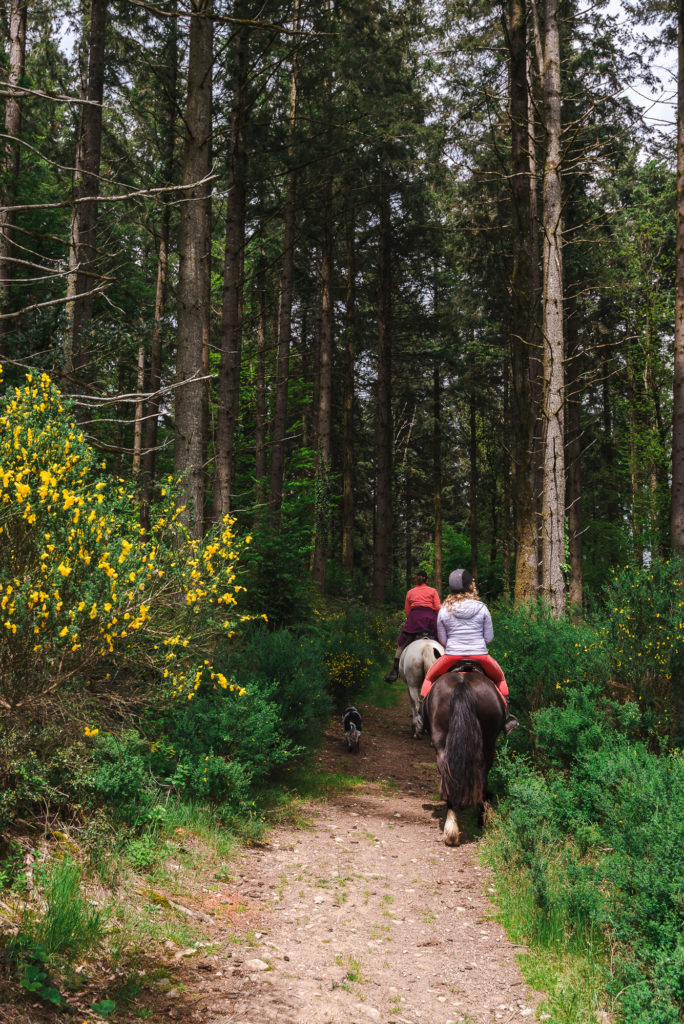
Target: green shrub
x,y
277,575
40,770
597,842
224,745
543,656
288,670
122,778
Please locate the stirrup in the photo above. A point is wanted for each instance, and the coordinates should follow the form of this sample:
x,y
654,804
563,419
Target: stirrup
x,y
510,724
392,676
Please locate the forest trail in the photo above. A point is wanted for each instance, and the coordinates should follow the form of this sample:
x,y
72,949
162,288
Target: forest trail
x,y
363,914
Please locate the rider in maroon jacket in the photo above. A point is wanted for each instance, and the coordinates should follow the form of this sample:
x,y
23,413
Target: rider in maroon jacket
x,y
421,606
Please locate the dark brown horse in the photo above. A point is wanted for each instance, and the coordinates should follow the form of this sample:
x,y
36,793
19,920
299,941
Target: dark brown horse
x,y
463,714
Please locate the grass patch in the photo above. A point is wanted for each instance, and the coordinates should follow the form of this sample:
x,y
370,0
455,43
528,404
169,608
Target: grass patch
x,y
573,976
69,926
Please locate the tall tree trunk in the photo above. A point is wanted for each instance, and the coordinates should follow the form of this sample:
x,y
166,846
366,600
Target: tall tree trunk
x,y
233,277
139,412
635,432
536,347
170,93
553,441
677,515
437,472
608,453
9,174
285,306
323,410
507,493
574,450
83,271
260,425
524,299
382,527
348,424
473,489
408,534
194,246
323,417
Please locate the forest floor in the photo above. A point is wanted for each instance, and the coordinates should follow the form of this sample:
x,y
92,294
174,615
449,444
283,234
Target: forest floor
x,y
353,912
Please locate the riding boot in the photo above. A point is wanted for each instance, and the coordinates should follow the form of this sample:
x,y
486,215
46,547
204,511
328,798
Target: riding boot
x,y
393,673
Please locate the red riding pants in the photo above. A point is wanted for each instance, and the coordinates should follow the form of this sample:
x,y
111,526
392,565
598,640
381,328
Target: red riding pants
x,y
447,661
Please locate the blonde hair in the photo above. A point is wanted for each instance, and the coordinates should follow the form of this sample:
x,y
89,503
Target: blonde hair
x,y
452,599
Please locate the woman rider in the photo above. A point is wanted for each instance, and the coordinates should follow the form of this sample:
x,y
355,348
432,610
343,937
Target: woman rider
x,y
464,628
420,607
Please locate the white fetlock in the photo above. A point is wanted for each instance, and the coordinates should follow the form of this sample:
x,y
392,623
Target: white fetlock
x,y
451,833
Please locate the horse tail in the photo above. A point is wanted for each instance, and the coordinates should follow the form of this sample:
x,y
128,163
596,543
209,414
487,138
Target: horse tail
x,y
463,774
430,656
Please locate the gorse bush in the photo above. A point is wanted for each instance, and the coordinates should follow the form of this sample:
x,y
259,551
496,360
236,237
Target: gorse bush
x,y
85,595
642,628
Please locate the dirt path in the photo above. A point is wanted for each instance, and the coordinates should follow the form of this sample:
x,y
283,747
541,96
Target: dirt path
x,y
364,915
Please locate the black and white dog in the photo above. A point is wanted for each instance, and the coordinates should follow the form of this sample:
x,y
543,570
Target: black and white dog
x,y
351,723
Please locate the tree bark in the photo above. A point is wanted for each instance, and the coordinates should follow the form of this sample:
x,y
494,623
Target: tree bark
x,y
382,527
170,88
677,515
408,534
574,469
139,412
170,92
507,492
437,473
285,306
11,154
194,269
260,425
233,276
553,440
323,417
323,410
473,489
83,269
348,424
524,300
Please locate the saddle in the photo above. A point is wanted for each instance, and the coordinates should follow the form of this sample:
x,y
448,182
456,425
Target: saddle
x,y
468,666
425,634
473,666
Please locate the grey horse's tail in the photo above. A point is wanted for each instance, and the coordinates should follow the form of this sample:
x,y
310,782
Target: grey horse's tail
x,y
463,766
430,656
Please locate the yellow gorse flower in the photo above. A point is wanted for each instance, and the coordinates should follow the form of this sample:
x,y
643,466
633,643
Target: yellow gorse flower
x,y
91,569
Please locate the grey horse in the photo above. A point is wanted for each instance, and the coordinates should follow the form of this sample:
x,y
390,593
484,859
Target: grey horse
x,y
416,658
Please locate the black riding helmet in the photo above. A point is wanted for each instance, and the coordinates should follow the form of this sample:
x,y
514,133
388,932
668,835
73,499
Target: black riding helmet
x,y
460,580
